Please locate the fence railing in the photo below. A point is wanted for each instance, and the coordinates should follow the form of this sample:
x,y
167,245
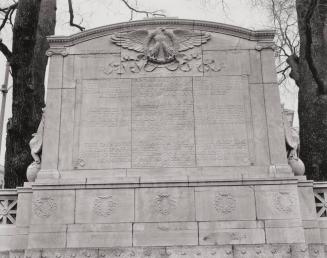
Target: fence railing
x,y
8,207
320,193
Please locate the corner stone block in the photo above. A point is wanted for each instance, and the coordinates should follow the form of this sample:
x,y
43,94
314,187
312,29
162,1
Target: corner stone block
x,y
165,234
55,72
12,239
104,205
24,209
268,66
51,130
277,202
99,235
53,207
307,203
164,204
224,203
276,136
255,64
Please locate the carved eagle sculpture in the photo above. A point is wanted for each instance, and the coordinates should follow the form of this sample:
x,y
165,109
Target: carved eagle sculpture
x,y
160,46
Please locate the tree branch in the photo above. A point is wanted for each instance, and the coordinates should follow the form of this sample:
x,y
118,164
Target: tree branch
x,y
8,13
293,62
147,13
5,51
71,17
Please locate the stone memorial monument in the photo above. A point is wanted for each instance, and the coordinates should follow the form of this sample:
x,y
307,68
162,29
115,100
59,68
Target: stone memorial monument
x,y
164,138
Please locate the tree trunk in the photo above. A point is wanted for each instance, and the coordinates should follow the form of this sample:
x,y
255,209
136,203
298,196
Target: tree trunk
x,y
34,21
312,82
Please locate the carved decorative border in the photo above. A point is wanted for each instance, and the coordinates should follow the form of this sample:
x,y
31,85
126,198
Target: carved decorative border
x,y
259,35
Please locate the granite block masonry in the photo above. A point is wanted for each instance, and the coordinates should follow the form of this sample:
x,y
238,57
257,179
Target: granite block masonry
x,y
164,138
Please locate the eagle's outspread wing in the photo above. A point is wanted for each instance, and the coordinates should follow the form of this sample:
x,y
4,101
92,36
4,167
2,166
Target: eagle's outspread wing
x,y
186,39
134,40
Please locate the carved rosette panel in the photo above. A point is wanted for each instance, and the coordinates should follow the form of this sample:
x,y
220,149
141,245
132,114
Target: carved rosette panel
x,y
104,205
224,203
164,204
44,207
284,202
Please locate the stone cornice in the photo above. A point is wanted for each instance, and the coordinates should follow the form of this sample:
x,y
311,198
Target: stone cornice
x,y
259,35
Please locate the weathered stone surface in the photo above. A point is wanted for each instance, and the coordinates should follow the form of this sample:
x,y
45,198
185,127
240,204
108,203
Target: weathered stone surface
x,y
51,130
165,234
47,236
212,234
55,78
162,123
66,143
99,235
23,217
284,235
103,122
164,204
220,113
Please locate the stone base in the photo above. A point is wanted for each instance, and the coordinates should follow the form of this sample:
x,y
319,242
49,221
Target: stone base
x,y
206,217
227,251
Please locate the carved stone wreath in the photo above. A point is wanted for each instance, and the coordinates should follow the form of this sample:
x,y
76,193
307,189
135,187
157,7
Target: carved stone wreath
x,y
44,207
104,205
164,204
224,203
284,202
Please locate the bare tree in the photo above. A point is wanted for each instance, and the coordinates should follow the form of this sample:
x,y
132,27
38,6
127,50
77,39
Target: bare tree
x,y
309,71
284,19
302,43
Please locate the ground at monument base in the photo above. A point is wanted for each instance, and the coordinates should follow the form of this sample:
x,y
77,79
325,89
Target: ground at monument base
x,y
228,251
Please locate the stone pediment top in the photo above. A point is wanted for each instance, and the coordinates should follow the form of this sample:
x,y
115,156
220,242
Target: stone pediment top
x,y
66,41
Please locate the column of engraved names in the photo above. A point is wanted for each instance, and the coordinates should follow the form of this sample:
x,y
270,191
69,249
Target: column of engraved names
x,y
105,124
220,121
162,122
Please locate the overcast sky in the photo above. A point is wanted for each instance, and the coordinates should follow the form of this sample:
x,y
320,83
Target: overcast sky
x,y
94,13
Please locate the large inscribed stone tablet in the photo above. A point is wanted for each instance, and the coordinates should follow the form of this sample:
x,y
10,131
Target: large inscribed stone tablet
x,y
162,122
104,123
220,121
